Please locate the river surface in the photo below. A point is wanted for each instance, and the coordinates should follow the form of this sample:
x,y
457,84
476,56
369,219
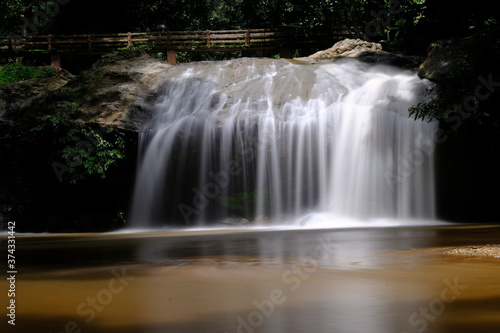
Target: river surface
x,y
328,280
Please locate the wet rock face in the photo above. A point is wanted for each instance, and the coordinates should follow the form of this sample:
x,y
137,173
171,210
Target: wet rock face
x,y
118,91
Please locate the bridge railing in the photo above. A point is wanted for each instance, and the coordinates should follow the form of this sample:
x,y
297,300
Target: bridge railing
x,y
167,41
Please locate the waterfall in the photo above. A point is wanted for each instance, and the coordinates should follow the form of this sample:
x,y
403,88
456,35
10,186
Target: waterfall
x,y
273,140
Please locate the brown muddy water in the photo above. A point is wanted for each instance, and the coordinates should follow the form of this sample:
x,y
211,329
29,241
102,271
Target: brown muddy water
x,y
244,281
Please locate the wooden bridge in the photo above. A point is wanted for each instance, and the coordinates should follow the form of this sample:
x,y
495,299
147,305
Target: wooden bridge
x,y
169,42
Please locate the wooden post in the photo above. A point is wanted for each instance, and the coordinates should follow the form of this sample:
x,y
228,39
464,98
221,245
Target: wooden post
x,y
171,57
55,59
14,41
129,39
285,51
89,41
208,39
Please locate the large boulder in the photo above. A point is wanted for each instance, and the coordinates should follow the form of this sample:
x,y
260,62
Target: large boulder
x,y
350,48
117,91
366,51
20,95
447,57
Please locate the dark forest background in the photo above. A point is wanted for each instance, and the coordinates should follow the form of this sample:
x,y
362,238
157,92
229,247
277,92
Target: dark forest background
x,y
419,21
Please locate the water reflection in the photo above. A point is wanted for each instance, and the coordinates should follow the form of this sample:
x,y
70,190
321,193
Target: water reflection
x,y
290,281
340,249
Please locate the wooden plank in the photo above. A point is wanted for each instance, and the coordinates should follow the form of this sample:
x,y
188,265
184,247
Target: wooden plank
x,y
109,39
82,41
257,30
229,41
229,49
228,36
269,40
80,36
181,43
160,33
186,32
186,38
267,34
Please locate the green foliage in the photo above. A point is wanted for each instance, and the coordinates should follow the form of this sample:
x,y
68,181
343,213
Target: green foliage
x,y
240,202
136,48
13,72
86,148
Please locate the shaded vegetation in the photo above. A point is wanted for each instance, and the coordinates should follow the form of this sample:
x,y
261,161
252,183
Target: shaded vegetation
x,y
239,201
418,22
88,190
86,148
13,72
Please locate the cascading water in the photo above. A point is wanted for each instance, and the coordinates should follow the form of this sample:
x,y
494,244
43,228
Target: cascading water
x,y
271,139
